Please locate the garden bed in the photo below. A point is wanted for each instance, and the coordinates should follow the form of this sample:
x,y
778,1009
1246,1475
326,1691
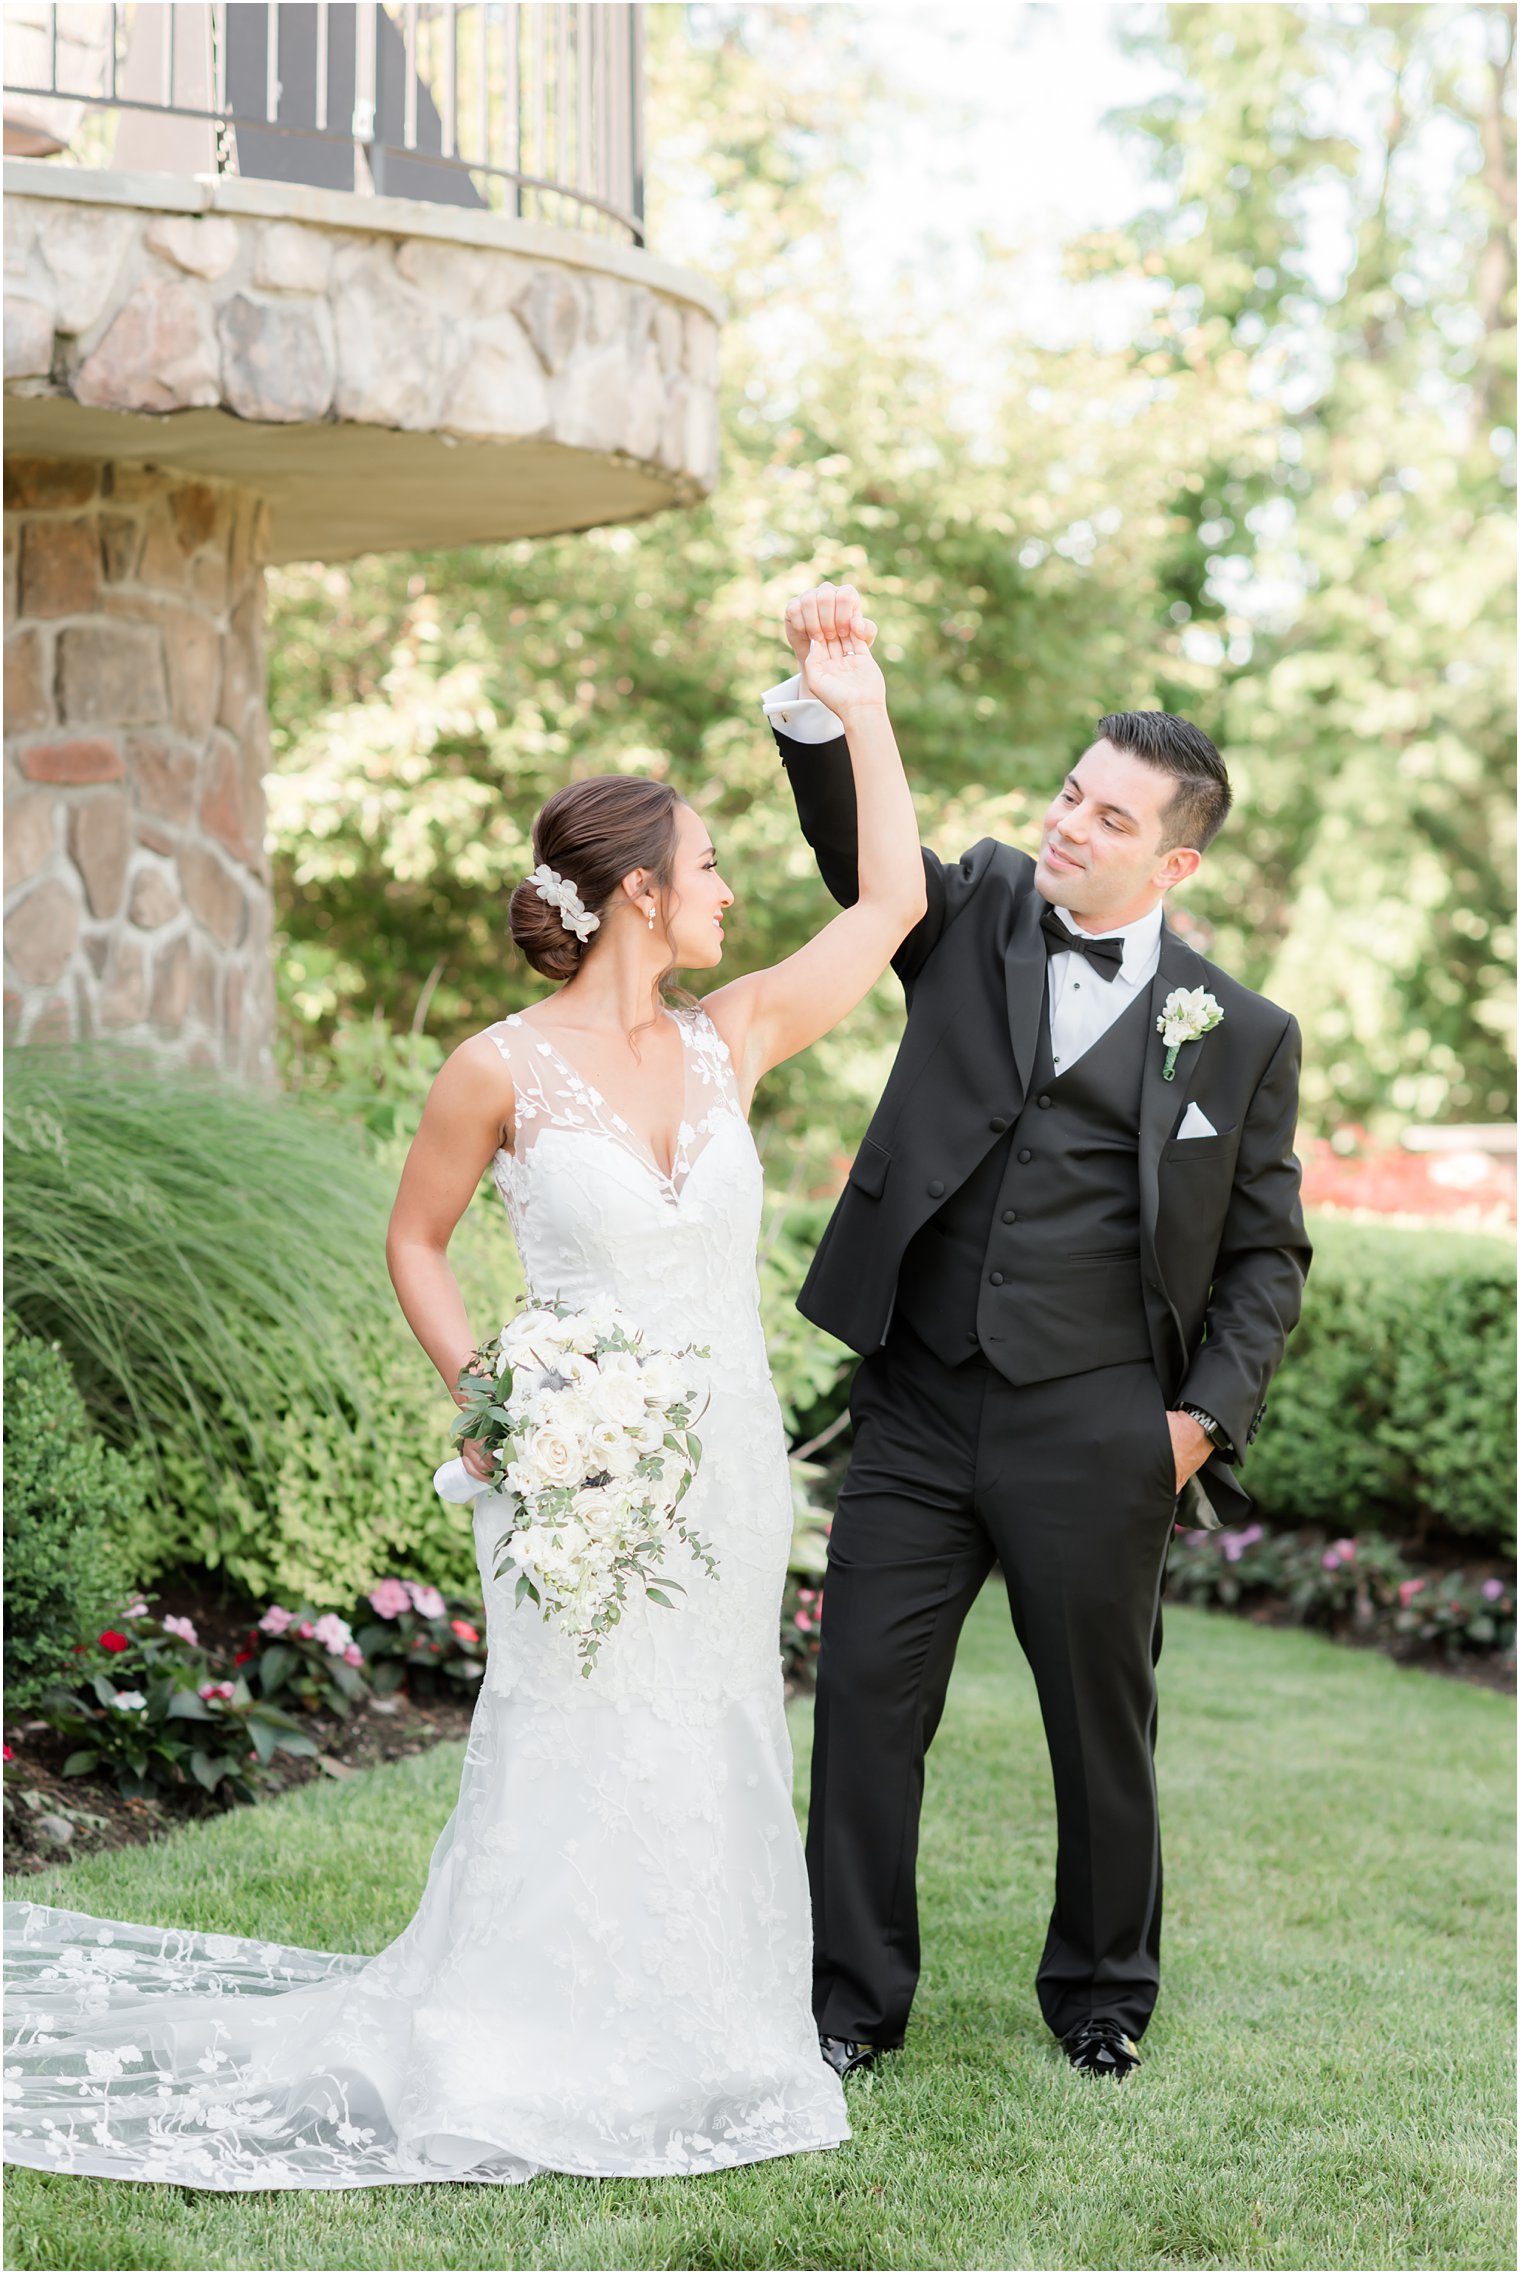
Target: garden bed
x,y
382,1729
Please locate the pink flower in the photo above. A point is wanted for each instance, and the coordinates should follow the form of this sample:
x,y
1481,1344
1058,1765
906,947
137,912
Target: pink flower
x,y
113,1641
803,1623
1331,1560
353,1656
185,1629
426,1601
333,1633
805,1595
464,1630
306,1632
136,1610
1492,1590
211,1690
1345,1549
276,1621
1408,1589
389,1599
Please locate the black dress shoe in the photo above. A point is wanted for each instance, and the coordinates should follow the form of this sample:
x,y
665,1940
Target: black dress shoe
x,y
1101,2049
849,2056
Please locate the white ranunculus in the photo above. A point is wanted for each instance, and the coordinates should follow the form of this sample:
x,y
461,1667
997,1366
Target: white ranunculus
x,y
619,1363
610,1447
536,1338
621,1400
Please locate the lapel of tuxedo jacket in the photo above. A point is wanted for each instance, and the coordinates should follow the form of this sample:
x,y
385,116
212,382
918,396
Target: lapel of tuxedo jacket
x,y
1025,962
1163,1102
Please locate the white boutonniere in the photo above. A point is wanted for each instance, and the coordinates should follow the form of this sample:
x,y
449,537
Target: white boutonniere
x,y
1187,1015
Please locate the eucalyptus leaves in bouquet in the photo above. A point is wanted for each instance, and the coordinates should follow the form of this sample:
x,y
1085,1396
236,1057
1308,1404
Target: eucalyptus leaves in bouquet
x,y
590,1428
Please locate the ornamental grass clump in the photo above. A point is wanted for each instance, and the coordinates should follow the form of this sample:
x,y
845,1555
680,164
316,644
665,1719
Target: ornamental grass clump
x,y
210,1262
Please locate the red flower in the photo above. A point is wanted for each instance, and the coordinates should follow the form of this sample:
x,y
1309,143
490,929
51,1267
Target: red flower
x,y
241,1657
111,1640
1408,1589
10,1756
464,1630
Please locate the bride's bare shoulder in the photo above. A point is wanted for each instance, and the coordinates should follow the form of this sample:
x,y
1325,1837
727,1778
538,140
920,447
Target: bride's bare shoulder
x,y
475,1080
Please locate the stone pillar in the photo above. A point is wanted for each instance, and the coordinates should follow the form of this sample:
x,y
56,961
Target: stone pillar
x,y
137,900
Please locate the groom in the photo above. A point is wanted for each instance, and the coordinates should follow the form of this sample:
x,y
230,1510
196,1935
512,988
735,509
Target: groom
x,y
1070,1253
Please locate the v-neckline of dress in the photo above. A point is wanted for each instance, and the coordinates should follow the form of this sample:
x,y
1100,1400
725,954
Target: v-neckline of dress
x,y
639,1146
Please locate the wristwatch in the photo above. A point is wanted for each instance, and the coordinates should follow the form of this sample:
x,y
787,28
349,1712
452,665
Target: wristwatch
x,y
1217,1435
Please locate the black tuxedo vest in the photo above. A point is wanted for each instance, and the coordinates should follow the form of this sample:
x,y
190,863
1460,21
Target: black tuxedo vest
x,y
1035,1259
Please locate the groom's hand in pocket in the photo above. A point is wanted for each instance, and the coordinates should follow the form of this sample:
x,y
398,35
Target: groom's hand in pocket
x,y
830,614
1191,1446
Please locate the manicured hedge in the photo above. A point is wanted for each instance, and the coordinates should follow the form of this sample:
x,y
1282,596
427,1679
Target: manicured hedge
x,y
1395,1406
66,1495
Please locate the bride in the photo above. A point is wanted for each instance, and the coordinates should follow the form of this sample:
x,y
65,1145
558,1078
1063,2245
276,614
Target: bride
x,y
609,1971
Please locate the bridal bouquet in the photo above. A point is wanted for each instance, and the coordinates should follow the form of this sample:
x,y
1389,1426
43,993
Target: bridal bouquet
x,y
590,1427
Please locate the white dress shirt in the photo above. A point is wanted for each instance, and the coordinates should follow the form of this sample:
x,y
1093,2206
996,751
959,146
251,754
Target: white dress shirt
x,y
1083,1004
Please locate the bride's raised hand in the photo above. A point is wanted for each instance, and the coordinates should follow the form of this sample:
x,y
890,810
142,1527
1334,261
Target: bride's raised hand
x,y
845,675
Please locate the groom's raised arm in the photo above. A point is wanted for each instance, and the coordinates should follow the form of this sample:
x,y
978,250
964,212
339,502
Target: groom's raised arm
x,y
817,761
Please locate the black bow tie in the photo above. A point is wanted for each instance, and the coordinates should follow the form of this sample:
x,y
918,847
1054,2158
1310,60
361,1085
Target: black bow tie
x,y
1105,956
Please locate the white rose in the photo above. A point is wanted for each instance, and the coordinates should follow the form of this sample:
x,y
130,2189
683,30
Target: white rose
x,y
552,1455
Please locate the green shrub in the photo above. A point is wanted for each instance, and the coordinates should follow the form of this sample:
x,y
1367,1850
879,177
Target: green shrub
x,y
66,1494
211,1261
1395,1405
811,1371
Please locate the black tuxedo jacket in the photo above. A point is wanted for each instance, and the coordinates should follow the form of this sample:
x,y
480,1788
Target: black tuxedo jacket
x,y
1223,1246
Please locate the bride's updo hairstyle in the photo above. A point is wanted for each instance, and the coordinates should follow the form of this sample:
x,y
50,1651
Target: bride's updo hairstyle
x,y
591,834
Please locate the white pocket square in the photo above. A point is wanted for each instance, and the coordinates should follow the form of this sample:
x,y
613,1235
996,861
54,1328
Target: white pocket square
x,y
1196,1123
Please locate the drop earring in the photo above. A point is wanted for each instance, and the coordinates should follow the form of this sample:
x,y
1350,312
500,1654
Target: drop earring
x,y
651,919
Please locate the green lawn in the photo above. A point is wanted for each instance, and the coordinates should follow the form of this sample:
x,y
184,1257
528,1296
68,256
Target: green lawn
x,y
1327,2082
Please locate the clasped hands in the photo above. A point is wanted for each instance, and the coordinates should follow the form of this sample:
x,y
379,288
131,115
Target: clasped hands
x,y
831,635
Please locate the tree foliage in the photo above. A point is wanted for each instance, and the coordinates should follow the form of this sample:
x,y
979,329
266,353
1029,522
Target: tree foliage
x,y
1282,508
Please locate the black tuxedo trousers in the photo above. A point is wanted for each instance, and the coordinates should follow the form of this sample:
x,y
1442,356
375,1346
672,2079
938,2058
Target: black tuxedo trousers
x,y
1069,1486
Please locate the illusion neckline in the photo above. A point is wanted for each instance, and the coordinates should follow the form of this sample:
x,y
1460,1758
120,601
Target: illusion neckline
x,y
639,1146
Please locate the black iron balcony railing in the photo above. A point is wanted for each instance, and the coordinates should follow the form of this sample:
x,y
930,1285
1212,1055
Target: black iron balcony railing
x,y
523,109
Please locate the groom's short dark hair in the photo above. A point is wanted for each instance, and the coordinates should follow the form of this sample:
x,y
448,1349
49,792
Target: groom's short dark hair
x,y
1202,797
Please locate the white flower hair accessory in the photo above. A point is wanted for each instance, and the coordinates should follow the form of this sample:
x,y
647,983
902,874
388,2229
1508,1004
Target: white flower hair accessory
x,y
1187,1015
561,894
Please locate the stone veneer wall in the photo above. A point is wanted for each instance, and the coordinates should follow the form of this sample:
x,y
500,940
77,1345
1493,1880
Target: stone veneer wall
x,y
137,896
287,322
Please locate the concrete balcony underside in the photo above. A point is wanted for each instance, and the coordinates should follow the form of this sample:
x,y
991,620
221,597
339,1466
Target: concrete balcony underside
x,y
337,490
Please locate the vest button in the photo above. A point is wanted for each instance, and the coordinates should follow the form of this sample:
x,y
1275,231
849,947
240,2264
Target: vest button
x,y
935,1189
1009,1217
997,1279
1042,1102
1025,1154
997,1125
973,1336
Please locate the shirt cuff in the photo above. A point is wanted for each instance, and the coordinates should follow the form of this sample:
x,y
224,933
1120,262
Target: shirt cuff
x,y
802,718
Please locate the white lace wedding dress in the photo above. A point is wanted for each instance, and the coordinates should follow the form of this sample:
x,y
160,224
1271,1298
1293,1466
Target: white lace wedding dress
x,y
609,1971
